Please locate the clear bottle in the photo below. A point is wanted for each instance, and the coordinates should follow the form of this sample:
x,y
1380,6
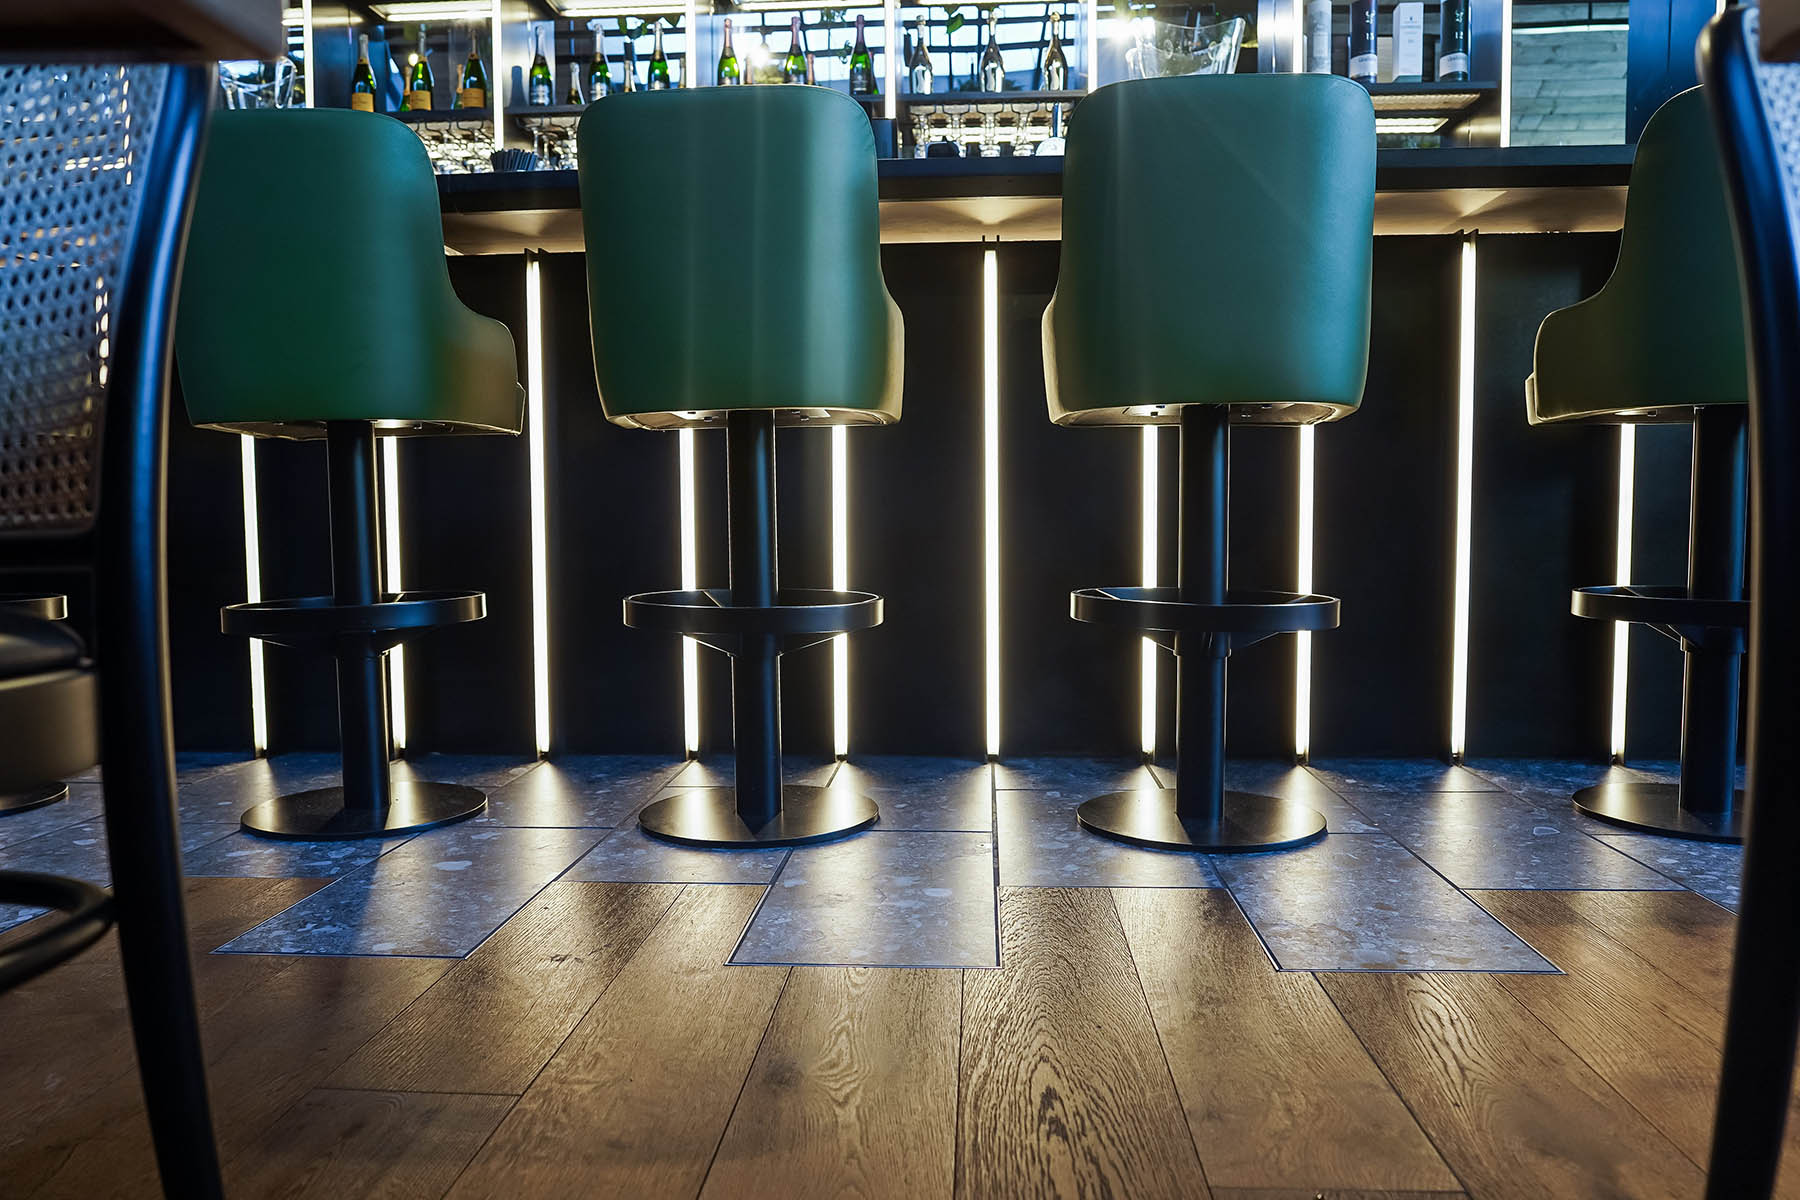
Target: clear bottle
x,y
728,74
659,64
795,66
472,88
1056,64
993,67
574,94
918,71
540,88
1453,41
862,65
362,80
631,78
419,83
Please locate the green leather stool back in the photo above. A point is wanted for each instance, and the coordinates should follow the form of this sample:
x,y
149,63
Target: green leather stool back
x,y
1217,235
316,290
733,254
1666,333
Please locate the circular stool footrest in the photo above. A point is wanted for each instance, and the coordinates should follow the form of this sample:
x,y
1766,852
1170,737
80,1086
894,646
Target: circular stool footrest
x,y
86,913
319,622
46,606
805,615
1161,609
1706,623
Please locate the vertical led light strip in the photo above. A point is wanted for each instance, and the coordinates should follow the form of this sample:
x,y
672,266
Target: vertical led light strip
x,y
1506,72
392,581
1303,583
840,580
890,38
496,80
1147,652
688,38
540,517
1622,577
259,694
1091,10
690,581
306,48
990,392
1465,508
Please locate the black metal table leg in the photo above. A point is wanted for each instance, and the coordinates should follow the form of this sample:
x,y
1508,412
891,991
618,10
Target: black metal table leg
x,y
368,804
18,802
1706,805
1198,813
760,810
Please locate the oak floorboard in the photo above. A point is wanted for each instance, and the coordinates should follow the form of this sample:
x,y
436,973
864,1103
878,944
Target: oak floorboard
x,y
1277,1090
1329,1194
495,1018
1513,1110
1064,1088
635,1101
853,1093
1684,935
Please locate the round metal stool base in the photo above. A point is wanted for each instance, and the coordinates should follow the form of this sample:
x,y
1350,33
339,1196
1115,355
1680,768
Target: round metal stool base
x,y
18,802
709,817
1248,822
1656,808
320,815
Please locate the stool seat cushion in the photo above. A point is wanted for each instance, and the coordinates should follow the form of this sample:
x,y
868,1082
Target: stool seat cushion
x,y
734,258
1218,233
316,289
1666,333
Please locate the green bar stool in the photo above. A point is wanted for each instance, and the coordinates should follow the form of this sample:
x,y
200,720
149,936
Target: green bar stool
x,y
316,304
737,284
1217,237
1662,343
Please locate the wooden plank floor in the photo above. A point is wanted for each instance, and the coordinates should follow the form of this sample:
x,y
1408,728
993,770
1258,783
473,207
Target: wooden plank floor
x,y
1133,1043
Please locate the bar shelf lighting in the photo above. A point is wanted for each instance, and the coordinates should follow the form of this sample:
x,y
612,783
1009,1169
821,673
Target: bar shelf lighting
x,y
434,10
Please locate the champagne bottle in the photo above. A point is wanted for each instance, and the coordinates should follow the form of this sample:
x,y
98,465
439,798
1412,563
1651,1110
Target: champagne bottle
x,y
794,66
419,85
919,76
362,80
728,73
1056,64
599,72
993,67
862,65
631,76
574,96
540,88
1453,41
1362,41
659,64
472,88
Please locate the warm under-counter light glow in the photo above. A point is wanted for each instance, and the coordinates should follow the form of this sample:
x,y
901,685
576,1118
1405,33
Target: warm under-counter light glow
x,y
1622,577
1147,652
990,391
259,696
840,580
540,520
392,580
1303,583
690,581
1465,507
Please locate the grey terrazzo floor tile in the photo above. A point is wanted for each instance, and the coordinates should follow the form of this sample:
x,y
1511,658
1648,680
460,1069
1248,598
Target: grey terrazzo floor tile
x,y
84,803
1710,868
79,851
598,792
223,795
630,855
440,894
1266,777
1544,778
1363,902
1042,846
924,793
1368,775
1481,840
242,855
881,899
720,772
475,770
1077,778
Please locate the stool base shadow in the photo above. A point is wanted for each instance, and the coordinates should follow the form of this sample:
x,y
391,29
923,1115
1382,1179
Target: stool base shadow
x,y
18,802
709,817
1656,808
1246,822
321,815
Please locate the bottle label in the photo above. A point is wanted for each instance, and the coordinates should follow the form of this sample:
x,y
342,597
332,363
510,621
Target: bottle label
x,y
1363,66
362,101
1453,64
418,101
472,98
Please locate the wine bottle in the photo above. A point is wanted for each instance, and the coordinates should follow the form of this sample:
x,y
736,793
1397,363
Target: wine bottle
x,y
918,71
659,64
631,76
862,65
728,74
472,88
362,80
1318,37
540,88
1453,41
1056,64
599,72
794,66
574,96
1362,41
993,67
419,84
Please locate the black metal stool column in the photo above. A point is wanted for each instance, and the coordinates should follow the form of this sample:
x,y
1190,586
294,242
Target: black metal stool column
x,y
1708,618
1206,622
45,608
755,622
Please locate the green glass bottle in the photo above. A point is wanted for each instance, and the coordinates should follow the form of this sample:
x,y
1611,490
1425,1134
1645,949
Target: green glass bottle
x,y
362,80
862,65
728,74
599,70
419,83
472,88
793,67
540,88
659,64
